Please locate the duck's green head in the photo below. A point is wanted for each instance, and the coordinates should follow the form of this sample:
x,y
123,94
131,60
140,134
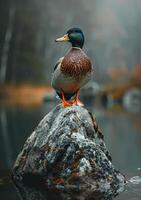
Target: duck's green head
x,y
75,36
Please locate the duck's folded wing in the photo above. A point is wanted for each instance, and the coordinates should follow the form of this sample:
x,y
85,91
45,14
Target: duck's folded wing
x,y
56,73
58,63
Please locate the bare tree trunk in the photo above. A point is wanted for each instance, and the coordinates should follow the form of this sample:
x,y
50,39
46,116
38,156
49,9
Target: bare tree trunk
x,y
6,46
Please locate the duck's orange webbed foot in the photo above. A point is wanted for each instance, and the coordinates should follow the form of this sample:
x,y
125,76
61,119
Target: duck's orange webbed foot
x,y
77,101
64,102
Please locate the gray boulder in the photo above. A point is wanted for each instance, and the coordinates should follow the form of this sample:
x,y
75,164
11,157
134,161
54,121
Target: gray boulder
x,y
67,151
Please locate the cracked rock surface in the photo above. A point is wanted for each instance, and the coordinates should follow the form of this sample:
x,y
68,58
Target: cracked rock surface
x,y
67,150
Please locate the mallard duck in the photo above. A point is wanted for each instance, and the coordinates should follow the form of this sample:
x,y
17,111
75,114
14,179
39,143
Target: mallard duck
x,y
72,71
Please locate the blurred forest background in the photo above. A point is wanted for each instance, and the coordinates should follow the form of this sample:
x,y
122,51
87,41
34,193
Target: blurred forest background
x,y
28,29
28,53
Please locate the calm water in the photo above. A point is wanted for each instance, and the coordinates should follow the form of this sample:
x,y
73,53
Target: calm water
x,y
121,128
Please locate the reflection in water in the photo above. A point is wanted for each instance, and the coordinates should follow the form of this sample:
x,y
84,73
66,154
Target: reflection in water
x,y
5,137
28,193
16,124
122,131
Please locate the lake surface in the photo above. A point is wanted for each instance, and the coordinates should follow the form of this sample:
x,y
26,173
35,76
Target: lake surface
x,y
121,129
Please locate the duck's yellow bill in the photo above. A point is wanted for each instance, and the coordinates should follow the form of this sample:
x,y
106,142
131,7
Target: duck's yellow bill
x,y
63,39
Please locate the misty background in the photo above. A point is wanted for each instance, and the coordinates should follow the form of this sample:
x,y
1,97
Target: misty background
x,y
28,29
28,53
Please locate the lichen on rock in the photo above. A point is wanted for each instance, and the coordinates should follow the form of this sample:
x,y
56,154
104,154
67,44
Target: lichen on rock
x,y
67,149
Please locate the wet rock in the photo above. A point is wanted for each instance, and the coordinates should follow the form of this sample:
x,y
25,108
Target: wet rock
x,y
67,151
91,89
50,97
132,100
135,180
90,92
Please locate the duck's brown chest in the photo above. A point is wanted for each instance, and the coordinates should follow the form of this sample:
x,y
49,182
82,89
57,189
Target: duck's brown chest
x,y
76,63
